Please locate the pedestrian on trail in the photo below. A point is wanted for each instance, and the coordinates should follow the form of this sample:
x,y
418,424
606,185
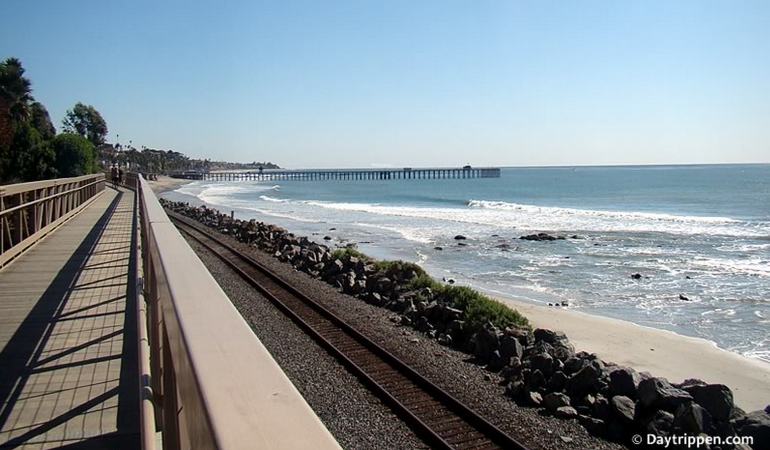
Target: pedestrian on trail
x,y
120,175
115,176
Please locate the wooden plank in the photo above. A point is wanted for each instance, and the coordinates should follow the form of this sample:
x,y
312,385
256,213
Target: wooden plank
x,y
69,374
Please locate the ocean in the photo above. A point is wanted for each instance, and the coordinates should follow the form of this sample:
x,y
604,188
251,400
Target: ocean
x,y
699,236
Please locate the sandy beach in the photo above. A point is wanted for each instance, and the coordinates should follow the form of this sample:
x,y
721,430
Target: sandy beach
x,y
659,352
164,184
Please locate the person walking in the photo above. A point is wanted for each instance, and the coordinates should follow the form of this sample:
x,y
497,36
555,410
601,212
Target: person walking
x,y
120,175
115,175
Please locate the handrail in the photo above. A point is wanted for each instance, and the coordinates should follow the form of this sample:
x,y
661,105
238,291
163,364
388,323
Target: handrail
x,y
147,418
215,385
11,189
29,211
50,197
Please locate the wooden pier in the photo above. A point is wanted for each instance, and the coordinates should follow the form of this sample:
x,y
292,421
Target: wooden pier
x,y
346,174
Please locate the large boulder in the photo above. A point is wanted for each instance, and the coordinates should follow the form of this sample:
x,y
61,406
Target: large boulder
x,y
563,350
533,398
540,237
757,425
574,364
692,418
542,362
587,379
496,361
486,341
624,381
565,412
660,423
512,370
535,380
549,336
623,408
558,381
510,347
384,285
602,408
555,400
658,393
716,398
336,267
523,335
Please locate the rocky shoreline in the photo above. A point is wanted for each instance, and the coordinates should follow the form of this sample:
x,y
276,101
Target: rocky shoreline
x,y
539,368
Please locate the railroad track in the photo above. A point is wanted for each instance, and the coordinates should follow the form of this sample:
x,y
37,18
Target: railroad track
x,y
438,418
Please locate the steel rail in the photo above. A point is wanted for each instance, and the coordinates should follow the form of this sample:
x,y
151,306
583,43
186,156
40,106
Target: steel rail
x,y
438,417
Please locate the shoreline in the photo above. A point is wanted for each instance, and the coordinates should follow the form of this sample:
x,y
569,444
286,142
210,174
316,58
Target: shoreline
x,y
675,356
166,184
662,353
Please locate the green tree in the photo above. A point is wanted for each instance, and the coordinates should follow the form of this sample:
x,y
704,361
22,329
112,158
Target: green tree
x,y
75,155
40,119
86,121
15,97
35,158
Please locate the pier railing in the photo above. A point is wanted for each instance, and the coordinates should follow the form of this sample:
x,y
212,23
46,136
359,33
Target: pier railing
x,y
29,211
213,384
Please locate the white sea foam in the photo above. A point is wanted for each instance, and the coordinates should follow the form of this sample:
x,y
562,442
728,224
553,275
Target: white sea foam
x,y
273,199
504,214
414,234
529,217
753,266
556,218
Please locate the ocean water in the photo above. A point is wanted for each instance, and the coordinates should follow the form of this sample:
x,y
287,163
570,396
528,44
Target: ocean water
x,y
699,231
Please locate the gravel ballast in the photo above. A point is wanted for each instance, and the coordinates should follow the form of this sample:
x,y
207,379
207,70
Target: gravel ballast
x,y
355,417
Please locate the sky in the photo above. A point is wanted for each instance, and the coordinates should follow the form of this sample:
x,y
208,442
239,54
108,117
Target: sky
x,y
409,83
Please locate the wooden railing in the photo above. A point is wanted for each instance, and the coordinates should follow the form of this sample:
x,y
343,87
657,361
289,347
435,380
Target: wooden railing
x,y
213,384
29,211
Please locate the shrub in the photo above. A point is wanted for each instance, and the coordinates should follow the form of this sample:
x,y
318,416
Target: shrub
x,y
75,155
426,281
477,308
347,253
399,266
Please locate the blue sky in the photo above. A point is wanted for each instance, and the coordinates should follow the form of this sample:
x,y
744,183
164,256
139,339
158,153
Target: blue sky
x,y
365,83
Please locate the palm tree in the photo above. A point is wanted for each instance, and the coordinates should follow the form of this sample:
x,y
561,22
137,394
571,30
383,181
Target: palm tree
x,y
15,98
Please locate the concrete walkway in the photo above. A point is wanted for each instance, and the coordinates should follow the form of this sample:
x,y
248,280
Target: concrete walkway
x,y
68,372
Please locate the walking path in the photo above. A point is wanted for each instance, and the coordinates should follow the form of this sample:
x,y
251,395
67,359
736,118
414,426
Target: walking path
x,y
68,371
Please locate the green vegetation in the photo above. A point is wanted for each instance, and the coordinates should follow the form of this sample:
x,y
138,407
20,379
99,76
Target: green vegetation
x,y
86,121
477,308
346,253
398,266
150,160
74,155
29,147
